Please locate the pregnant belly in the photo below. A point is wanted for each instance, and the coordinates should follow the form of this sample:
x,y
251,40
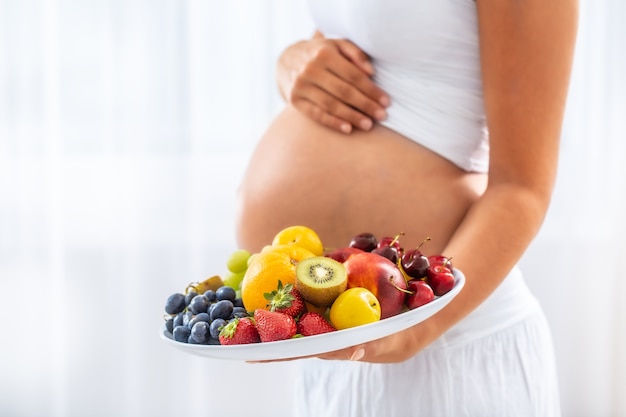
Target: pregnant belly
x,y
341,185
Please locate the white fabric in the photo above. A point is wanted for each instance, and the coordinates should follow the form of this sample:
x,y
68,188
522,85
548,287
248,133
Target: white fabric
x,y
508,374
497,362
428,62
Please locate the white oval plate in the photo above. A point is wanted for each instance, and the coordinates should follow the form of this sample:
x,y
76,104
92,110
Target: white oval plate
x,y
327,342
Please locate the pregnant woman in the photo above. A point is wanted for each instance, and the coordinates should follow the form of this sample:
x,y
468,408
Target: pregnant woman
x,y
437,119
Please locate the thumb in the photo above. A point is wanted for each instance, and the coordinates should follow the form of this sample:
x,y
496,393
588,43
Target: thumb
x,y
356,56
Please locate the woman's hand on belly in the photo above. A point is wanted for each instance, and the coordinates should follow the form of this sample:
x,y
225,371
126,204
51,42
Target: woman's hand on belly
x,y
329,80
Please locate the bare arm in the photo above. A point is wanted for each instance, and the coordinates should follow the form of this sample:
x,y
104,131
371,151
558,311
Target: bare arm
x,y
526,56
330,81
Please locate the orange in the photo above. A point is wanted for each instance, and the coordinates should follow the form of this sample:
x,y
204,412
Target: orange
x,y
266,269
301,236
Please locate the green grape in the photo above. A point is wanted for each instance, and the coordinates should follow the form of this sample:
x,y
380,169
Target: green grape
x,y
238,261
251,258
233,279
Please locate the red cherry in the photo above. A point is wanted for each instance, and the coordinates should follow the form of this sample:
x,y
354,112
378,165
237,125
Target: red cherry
x,y
391,241
365,241
414,262
422,294
440,278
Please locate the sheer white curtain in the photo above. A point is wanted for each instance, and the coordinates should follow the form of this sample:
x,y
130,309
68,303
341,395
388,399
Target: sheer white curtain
x,y
125,126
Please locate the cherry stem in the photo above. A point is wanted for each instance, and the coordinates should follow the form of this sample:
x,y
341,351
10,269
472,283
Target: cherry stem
x,y
395,239
398,288
423,241
406,276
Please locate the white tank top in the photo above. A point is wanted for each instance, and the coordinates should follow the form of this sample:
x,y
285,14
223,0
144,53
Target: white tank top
x,y
426,56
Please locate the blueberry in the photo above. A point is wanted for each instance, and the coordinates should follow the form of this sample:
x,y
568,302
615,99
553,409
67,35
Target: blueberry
x,y
189,296
181,333
169,325
200,331
240,312
199,304
210,294
216,326
175,303
222,310
199,317
238,302
226,293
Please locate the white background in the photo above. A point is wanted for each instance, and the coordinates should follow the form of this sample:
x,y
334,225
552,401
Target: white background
x,y
125,126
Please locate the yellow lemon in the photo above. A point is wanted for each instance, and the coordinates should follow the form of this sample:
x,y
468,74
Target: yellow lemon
x,y
301,236
266,269
354,307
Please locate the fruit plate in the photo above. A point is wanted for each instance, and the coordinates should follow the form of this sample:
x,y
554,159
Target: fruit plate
x,y
314,345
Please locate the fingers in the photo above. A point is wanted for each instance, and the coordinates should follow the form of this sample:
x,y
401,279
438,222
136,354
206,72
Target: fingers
x,y
346,82
324,117
330,81
356,55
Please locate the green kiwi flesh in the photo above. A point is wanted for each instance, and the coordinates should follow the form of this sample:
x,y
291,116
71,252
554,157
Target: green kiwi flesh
x,y
320,280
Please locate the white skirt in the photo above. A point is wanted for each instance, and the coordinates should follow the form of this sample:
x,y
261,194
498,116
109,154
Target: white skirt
x,y
498,362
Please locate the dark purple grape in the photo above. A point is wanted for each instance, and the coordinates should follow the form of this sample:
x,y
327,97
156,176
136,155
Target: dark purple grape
x,y
216,326
213,341
169,325
189,296
200,331
181,333
175,303
210,294
240,312
226,293
199,304
222,310
197,318
178,319
187,316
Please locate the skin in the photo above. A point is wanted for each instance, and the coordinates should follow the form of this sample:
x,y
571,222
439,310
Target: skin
x,y
376,180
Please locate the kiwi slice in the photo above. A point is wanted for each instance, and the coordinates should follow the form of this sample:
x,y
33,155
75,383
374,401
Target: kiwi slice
x,y
320,280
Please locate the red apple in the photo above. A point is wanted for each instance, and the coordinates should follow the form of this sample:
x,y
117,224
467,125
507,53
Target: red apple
x,y
422,294
440,278
382,277
343,254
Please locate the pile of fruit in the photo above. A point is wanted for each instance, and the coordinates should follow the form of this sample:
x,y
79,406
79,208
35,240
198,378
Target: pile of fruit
x,y
295,288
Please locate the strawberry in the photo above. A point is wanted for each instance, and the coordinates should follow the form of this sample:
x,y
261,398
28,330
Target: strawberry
x,y
285,299
273,326
239,332
313,323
